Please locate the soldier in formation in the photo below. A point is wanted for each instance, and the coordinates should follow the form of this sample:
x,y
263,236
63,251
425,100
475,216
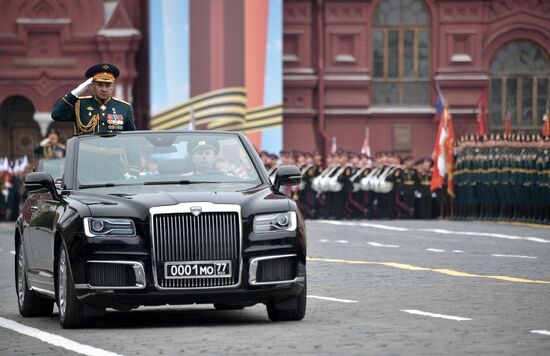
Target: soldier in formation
x,y
353,185
503,177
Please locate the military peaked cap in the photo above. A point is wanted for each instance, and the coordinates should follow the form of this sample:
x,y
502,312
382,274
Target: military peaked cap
x,y
103,72
202,143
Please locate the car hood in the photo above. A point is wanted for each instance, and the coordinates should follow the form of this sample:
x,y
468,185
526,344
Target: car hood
x,y
135,202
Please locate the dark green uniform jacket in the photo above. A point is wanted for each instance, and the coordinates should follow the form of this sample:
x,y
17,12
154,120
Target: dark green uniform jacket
x,y
91,116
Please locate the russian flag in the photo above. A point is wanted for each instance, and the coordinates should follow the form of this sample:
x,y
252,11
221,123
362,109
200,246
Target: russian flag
x,y
439,108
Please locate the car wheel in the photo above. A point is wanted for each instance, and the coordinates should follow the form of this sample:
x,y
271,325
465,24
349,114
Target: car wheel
x,y
71,310
228,306
29,304
277,311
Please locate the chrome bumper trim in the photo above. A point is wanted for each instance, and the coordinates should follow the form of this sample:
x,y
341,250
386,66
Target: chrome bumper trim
x,y
139,271
254,269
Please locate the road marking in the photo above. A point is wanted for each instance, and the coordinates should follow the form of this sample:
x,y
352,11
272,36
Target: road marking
x,y
513,256
487,234
376,226
376,244
458,251
542,332
12,252
323,240
523,224
445,271
437,231
342,241
384,227
536,239
442,316
332,299
54,339
434,250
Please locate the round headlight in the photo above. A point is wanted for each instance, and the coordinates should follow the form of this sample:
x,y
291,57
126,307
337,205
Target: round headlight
x,y
97,225
282,220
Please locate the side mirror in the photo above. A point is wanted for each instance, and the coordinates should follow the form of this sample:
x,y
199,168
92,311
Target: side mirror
x,y
287,175
40,181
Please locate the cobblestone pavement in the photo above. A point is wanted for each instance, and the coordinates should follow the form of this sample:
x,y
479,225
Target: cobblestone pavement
x,y
375,288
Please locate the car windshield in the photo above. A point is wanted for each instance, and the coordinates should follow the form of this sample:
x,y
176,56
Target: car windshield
x,y
163,158
53,166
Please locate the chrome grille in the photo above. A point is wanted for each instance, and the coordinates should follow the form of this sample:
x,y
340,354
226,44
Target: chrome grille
x,y
210,236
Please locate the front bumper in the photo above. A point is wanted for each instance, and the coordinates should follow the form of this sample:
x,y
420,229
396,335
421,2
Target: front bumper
x,y
144,291
246,296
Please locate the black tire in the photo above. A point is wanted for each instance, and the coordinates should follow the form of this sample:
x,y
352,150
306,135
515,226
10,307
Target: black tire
x,y
228,306
294,314
71,310
29,303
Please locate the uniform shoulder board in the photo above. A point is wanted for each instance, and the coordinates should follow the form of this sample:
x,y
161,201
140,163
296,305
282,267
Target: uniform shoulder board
x,y
61,145
397,172
122,101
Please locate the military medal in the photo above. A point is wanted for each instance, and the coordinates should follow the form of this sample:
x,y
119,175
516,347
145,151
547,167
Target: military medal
x,y
103,107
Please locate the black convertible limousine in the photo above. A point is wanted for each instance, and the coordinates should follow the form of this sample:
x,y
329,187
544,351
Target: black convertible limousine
x,y
155,218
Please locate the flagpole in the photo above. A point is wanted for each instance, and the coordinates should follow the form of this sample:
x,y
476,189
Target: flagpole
x,y
439,92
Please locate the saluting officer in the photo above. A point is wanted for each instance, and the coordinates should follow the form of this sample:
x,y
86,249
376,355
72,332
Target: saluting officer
x,y
50,146
100,112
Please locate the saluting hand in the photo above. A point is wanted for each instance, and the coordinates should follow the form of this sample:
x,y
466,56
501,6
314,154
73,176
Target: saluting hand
x,y
82,87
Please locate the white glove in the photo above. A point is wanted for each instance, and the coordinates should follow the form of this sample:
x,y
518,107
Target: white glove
x,y
45,142
82,87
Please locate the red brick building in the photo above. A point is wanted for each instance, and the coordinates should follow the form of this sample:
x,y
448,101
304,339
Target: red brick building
x,y
45,48
351,64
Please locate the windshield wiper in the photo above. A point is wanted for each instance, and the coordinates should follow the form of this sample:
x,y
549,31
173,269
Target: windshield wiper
x,y
183,182
102,185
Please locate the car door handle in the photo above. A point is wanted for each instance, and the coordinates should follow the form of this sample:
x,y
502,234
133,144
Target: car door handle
x,y
34,208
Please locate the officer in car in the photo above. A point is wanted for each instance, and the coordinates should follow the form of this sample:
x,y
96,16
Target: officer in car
x,y
50,146
100,112
203,154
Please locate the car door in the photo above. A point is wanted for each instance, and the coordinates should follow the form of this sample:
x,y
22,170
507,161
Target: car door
x,y
42,225
29,209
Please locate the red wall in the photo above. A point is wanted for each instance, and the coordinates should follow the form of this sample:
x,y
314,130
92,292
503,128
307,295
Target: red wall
x,y
476,28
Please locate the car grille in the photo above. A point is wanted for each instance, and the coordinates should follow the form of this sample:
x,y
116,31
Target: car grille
x,y
277,269
210,236
110,275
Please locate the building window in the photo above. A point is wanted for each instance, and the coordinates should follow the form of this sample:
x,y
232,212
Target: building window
x,y
401,53
519,84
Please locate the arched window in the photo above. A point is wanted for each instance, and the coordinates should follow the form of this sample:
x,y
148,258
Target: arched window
x,y
401,53
519,84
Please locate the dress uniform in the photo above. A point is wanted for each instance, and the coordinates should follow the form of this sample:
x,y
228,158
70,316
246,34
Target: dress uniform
x,y
50,147
406,190
92,114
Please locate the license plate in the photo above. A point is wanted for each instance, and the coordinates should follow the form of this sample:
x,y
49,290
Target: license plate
x,y
202,269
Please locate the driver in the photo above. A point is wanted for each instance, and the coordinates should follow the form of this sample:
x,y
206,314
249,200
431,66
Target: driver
x,y
203,154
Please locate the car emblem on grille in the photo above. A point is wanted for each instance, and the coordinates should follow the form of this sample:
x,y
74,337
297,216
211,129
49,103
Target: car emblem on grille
x,y
196,210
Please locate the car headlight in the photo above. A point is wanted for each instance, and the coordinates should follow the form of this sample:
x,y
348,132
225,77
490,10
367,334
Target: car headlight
x,y
275,222
94,227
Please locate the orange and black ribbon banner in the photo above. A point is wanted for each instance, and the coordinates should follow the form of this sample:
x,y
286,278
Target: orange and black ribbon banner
x,y
223,109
